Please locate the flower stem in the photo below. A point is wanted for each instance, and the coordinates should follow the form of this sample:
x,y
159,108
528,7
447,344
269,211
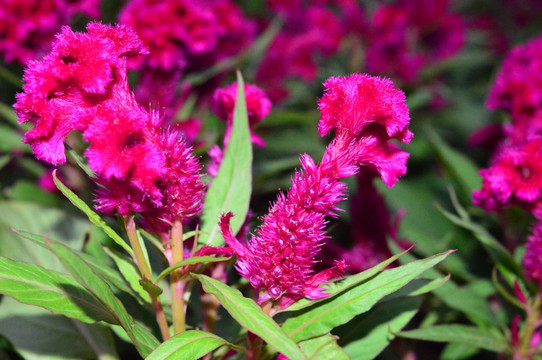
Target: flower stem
x,y
145,270
177,285
533,313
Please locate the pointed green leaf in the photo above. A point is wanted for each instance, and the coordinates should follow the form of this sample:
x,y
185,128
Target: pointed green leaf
x,y
58,293
323,347
368,334
231,189
461,334
342,285
129,271
92,216
324,316
87,277
189,345
190,261
249,315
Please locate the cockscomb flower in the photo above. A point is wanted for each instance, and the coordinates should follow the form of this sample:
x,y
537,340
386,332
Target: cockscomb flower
x,y
63,90
518,89
532,260
279,259
258,107
514,177
365,112
27,27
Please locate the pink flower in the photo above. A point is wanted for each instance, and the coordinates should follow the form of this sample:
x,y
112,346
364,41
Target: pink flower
x,y
27,27
280,257
514,177
65,88
532,260
258,107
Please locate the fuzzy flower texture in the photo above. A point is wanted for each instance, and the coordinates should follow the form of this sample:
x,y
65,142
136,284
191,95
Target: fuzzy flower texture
x,y
365,113
82,85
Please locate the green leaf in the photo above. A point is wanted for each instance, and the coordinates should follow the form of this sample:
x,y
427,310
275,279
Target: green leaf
x,y
129,271
87,277
323,347
11,140
58,293
462,334
368,334
190,261
249,315
461,169
496,250
81,162
39,335
323,317
92,216
189,345
231,189
342,285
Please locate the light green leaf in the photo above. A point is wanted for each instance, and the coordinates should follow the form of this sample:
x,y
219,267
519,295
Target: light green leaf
x,y
39,335
323,347
249,315
189,345
92,216
87,277
58,293
368,334
462,334
337,287
11,140
81,162
190,261
231,189
129,271
323,317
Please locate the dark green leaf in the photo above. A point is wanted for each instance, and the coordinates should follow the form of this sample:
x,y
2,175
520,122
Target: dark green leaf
x,y
58,293
87,277
323,317
462,334
249,315
368,334
231,189
323,347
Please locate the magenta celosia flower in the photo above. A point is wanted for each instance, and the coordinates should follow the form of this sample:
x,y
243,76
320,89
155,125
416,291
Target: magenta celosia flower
x,y
518,89
514,177
532,260
27,27
178,31
63,90
369,111
258,107
413,33
280,257
308,33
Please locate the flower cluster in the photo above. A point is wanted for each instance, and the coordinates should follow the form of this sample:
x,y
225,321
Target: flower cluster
x,y
82,85
514,177
533,255
364,112
406,36
27,27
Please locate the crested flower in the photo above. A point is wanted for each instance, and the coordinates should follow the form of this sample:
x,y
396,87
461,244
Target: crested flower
x,y
532,260
514,177
258,107
82,85
63,90
27,27
279,259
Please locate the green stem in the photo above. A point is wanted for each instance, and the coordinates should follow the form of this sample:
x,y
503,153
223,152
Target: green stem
x,y
533,313
146,273
177,285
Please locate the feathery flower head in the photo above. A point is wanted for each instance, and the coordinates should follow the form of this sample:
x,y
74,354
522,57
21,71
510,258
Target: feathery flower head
x,y
514,177
280,257
27,27
63,90
532,260
258,107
